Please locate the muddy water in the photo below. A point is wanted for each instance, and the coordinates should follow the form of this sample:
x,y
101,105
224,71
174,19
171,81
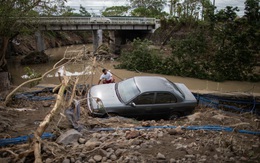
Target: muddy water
x,y
55,54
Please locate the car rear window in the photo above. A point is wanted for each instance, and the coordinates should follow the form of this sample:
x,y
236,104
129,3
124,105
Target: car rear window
x,y
176,89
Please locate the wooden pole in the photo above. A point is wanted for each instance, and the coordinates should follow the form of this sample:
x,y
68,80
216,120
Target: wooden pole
x,y
92,73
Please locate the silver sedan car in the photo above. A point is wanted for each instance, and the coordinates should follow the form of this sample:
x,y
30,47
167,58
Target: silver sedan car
x,y
141,97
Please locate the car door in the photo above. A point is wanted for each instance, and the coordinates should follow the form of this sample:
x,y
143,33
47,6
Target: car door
x,y
165,103
142,104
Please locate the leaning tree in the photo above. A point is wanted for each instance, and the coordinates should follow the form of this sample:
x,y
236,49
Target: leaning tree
x,y
11,14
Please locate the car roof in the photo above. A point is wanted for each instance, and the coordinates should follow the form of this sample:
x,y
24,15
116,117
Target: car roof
x,y
153,84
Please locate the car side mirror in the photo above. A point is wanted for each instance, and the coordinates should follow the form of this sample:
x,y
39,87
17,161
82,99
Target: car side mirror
x,y
132,104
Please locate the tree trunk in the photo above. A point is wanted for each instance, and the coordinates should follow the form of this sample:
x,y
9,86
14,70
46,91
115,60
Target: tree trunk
x,y
3,50
4,75
4,81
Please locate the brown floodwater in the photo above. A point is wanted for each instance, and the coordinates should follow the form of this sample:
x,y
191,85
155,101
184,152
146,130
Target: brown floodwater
x,y
17,70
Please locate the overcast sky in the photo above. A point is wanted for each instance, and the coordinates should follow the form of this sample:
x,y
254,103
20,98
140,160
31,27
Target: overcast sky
x,y
97,5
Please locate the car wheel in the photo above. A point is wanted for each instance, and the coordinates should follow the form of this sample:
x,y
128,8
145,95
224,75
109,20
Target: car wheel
x,y
174,116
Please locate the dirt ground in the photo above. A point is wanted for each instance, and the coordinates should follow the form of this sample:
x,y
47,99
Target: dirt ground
x,y
155,145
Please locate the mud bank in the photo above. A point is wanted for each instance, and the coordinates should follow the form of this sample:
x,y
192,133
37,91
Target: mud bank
x,y
25,44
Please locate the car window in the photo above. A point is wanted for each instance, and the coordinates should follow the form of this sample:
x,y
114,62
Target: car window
x,y
165,97
146,98
176,89
127,90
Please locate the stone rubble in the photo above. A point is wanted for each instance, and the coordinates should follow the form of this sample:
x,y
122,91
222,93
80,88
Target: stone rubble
x,y
173,145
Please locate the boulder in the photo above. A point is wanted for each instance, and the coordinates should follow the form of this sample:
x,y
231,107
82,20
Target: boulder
x,y
92,143
160,156
132,134
69,137
35,58
97,158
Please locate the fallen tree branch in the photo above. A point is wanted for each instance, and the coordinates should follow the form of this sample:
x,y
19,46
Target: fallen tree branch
x,y
73,91
7,99
44,124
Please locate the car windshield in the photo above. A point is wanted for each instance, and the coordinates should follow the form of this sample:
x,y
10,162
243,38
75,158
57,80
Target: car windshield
x,y
127,90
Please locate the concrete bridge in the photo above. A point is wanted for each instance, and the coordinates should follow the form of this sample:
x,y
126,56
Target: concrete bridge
x,y
95,24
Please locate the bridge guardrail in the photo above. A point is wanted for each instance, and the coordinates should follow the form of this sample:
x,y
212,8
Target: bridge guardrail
x,y
86,20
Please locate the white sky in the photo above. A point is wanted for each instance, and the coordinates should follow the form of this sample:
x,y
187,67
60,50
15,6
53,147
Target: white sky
x,y
97,5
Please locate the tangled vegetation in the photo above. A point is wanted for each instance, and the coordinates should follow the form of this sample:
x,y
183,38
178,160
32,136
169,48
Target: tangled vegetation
x,y
224,47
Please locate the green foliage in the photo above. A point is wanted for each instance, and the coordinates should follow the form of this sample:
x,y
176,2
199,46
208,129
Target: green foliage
x,y
223,47
148,8
141,58
83,11
116,11
11,12
68,11
31,75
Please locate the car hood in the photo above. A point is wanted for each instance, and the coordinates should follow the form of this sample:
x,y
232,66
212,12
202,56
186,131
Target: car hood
x,y
107,94
186,92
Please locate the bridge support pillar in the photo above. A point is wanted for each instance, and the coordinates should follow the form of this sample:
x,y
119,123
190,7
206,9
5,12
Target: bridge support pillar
x,y
115,41
40,46
97,39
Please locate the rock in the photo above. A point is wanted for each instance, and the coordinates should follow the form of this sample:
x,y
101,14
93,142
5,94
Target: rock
x,y
219,117
160,134
66,160
172,160
97,158
113,157
78,161
137,142
82,140
194,116
35,58
103,152
96,135
172,132
46,104
119,152
91,144
189,156
180,146
72,160
48,160
110,151
243,159
203,160
189,151
104,159
179,130
91,160
255,146
146,124
160,156
68,137
215,156
132,134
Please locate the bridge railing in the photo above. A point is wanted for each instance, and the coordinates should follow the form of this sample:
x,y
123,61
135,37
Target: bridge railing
x,y
99,20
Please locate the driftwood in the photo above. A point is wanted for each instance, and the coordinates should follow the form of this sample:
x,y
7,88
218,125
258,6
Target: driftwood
x,y
44,124
34,146
8,97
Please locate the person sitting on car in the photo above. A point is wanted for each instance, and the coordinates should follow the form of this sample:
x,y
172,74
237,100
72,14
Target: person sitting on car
x,y
106,77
